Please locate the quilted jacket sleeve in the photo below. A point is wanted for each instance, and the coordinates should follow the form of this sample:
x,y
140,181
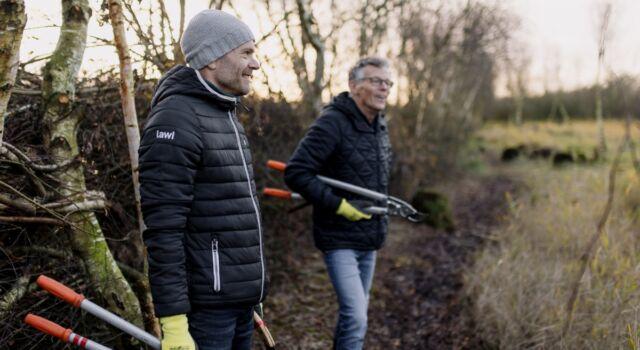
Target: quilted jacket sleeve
x,y
313,151
170,152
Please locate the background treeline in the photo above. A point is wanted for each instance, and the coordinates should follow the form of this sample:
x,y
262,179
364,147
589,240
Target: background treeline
x,y
620,96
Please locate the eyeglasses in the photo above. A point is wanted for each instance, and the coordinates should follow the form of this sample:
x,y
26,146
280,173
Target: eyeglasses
x,y
377,81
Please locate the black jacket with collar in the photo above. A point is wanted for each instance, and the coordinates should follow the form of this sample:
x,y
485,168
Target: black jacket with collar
x,y
343,145
199,200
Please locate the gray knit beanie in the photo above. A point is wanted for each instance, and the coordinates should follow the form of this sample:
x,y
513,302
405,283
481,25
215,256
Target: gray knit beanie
x,y
210,35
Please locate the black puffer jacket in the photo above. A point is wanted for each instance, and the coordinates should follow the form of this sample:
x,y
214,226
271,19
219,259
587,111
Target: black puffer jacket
x,y
341,144
199,201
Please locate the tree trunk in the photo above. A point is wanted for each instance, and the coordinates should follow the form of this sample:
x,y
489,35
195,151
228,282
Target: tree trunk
x,y
128,105
60,121
602,43
602,141
312,94
178,57
566,118
12,22
519,101
127,93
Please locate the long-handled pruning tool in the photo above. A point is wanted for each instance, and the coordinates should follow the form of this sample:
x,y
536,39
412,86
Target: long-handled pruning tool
x,y
64,334
390,205
78,300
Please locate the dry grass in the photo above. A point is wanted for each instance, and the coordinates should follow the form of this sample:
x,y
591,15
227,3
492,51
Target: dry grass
x,y
521,284
577,134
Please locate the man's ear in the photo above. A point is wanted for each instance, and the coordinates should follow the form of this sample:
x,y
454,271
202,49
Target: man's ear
x,y
352,85
211,65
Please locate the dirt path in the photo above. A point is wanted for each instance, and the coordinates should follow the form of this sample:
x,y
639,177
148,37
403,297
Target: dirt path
x,y
416,299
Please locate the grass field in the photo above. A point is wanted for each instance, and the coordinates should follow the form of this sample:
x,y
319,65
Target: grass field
x,y
578,134
522,281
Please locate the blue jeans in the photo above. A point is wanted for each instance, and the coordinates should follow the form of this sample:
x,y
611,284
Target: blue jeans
x,y
221,329
351,272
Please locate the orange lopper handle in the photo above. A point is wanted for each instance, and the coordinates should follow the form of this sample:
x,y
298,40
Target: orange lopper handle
x,y
60,290
275,192
276,165
48,327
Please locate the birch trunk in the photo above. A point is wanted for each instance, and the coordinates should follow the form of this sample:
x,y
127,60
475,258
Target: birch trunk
x,y
127,94
12,22
602,43
60,122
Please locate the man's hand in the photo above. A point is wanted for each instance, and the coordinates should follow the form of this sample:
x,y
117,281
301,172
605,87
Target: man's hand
x,y
175,333
350,212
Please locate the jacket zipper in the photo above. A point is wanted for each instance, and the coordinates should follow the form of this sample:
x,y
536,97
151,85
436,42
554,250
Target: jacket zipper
x,y
215,257
255,205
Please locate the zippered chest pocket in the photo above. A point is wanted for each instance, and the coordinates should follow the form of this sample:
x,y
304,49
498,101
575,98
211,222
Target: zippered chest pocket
x,y
215,257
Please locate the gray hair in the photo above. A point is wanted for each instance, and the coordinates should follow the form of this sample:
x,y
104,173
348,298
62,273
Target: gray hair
x,y
355,72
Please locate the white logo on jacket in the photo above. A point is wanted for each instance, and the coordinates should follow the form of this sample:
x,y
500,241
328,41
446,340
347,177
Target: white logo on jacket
x,y
168,135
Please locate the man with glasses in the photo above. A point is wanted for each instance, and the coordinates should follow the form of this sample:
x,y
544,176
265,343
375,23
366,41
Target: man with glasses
x,y
348,142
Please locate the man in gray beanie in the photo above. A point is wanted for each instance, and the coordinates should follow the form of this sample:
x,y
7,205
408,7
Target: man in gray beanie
x,y
199,199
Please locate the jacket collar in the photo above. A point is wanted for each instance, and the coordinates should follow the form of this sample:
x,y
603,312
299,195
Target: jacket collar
x,y
217,94
183,80
345,103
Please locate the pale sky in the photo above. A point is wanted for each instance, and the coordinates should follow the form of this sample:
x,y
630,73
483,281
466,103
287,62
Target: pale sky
x,y
567,29
561,35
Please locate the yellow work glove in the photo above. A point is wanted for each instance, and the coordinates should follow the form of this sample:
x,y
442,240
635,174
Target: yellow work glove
x,y
175,333
350,212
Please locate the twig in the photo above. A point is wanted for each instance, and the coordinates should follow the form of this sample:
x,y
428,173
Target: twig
x,y
17,203
12,158
40,250
27,92
274,29
34,60
21,156
84,206
87,90
19,110
33,220
51,212
586,257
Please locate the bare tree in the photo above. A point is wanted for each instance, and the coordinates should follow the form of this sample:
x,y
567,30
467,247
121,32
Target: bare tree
x,y
161,45
446,62
127,90
373,20
12,22
603,38
517,62
552,77
301,37
60,122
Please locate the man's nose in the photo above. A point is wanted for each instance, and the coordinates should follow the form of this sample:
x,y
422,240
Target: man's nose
x,y
254,63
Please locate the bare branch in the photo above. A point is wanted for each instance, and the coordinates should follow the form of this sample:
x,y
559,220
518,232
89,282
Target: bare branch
x,y
159,58
14,154
587,255
33,220
19,110
216,4
17,204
